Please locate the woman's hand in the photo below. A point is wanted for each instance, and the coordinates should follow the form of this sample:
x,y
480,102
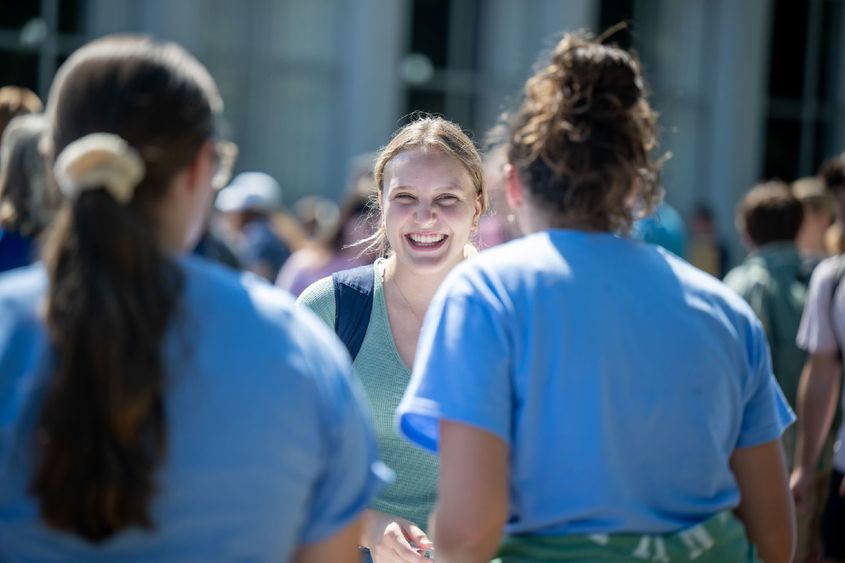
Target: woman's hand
x,y
391,539
802,482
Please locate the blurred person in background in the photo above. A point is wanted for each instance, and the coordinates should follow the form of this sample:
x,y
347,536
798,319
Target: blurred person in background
x,y
822,335
665,227
247,206
129,432
316,214
335,251
834,182
497,224
706,249
15,101
431,196
27,200
773,279
819,215
215,248
591,397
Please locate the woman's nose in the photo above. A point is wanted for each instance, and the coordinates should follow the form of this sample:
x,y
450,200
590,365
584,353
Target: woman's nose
x,y
424,213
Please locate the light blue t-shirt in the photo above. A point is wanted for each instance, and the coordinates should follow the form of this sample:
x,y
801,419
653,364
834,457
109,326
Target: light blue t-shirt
x,y
621,378
268,446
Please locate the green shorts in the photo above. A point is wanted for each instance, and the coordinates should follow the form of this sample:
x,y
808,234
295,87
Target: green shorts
x,y
720,539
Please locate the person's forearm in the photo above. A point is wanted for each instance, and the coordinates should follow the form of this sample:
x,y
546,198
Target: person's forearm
x,y
339,548
374,522
459,544
817,398
473,501
765,507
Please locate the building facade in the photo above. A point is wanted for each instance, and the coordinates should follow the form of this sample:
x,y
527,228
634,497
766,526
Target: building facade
x,y
747,90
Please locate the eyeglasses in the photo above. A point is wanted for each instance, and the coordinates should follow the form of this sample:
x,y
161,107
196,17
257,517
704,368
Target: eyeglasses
x,y
225,154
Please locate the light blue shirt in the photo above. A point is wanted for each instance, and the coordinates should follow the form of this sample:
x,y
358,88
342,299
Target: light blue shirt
x,y
268,446
621,378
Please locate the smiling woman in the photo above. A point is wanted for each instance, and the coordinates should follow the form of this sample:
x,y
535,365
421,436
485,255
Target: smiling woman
x,y
430,197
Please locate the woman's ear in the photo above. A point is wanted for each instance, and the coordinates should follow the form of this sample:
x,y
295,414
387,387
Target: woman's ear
x,y
476,216
513,187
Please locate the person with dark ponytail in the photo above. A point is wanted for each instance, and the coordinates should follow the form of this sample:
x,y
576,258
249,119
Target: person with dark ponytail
x,y
154,406
593,397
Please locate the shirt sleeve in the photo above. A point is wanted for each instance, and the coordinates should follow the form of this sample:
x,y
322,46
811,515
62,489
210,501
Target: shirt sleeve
x,y
766,413
462,371
352,474
815,333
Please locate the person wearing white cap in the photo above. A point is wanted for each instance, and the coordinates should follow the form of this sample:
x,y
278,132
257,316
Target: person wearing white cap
x,y
247,204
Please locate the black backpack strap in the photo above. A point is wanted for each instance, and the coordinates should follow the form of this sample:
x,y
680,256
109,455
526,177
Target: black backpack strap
x,y
353,300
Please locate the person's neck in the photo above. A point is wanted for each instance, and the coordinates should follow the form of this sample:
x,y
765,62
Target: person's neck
x,y
533,219
811,241
417,289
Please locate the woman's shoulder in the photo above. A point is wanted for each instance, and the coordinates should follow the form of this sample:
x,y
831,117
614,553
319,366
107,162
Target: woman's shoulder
x,y
318,291
240,302
319,297
224,306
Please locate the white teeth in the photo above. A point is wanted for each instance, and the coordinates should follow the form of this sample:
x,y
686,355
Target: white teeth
x,y
426,239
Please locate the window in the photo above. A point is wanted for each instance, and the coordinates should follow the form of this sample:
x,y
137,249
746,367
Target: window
x,y
801,89
35,37
441,68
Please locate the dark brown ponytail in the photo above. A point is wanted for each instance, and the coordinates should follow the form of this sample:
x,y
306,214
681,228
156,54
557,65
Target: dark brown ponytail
x,y
113,290
583,136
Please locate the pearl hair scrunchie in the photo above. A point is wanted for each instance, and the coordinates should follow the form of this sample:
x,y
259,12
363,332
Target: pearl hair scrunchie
x,y
99,160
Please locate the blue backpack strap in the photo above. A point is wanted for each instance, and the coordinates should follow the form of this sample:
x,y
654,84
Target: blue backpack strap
x,y
353,300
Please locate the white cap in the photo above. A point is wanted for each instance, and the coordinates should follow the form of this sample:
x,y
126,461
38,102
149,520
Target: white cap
x,y
250,191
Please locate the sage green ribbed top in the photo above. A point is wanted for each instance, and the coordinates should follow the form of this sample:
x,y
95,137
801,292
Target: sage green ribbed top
x,y
384,377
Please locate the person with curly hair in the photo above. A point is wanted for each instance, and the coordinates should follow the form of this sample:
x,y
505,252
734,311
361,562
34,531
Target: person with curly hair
x,y
592,397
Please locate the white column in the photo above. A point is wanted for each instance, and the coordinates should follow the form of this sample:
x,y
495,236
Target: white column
x,y
513,35
676,46
738,90
370,97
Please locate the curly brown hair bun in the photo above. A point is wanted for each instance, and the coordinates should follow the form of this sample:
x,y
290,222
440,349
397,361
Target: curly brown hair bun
x,y
584,134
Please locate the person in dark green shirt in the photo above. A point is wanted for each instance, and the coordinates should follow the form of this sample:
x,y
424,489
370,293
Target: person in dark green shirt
x,y
774,278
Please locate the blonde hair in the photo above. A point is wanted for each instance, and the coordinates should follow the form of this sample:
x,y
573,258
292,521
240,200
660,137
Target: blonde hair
x,y
428,133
